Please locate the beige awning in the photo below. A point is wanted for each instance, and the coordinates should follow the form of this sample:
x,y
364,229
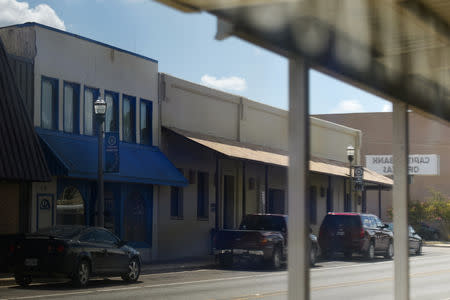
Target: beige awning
x,y
273,157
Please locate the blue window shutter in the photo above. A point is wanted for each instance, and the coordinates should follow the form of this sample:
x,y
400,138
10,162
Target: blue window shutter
x,y
150,121
133,119
76,109
55,104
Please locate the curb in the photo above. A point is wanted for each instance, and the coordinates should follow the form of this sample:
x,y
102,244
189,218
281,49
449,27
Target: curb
x,y
436,244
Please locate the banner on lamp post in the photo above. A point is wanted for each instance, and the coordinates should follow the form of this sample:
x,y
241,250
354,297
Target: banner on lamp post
x,y
112,154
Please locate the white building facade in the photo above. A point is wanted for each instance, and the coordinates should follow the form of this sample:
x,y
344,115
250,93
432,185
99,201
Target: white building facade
x,y
70,72
233,151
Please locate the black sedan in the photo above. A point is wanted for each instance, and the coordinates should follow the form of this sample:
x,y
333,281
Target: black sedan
x,y
75,252
415,241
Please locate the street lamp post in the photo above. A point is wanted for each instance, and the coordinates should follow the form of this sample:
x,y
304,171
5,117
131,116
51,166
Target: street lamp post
x,y
350,156
100,111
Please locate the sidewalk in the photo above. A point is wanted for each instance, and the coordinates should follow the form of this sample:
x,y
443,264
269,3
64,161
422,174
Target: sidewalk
x,y
436,244
187,264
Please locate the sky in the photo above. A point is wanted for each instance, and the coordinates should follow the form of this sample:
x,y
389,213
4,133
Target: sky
x,y
185,47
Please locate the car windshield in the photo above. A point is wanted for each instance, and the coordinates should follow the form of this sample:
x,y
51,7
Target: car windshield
x,y
345,220
63,232
256,222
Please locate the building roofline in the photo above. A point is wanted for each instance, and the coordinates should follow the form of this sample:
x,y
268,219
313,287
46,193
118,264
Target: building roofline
x,y
30,24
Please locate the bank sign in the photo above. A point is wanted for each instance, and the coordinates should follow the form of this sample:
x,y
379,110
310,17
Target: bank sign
x,y
419,164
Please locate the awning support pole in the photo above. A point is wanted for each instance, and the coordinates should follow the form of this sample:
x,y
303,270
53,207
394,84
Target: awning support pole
x,y
298,173
400,202
379,200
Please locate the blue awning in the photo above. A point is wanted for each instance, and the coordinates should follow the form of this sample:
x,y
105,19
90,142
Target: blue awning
x,y
76,156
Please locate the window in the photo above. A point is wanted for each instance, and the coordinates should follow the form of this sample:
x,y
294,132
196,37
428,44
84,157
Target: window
x,y
88,237
347,203
368,222
49,103
112,111
71,107
129,119
329,199
146,122
378,222
313,205
176,202
136,215
105,237
90,95
202,195
70,207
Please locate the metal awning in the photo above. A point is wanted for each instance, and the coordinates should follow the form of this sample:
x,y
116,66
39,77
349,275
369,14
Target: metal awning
x,y
396,49
21,157
76,156
265,155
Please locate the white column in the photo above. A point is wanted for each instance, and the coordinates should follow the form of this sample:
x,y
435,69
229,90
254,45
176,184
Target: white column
x,y
298,264
400,202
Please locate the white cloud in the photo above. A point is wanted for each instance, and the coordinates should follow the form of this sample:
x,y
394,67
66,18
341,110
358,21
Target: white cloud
x,y
348,106
387,107
15,12
232,83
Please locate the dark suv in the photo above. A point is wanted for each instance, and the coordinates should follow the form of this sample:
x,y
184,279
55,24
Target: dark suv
x,y
355,233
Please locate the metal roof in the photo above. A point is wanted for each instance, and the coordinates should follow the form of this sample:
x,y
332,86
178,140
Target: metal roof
x,y
21,157
278,158
397,49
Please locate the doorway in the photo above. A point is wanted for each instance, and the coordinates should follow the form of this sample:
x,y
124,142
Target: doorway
x,y
276,201
228,202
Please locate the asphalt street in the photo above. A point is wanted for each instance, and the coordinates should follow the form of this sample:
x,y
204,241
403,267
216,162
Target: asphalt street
x,y
338,279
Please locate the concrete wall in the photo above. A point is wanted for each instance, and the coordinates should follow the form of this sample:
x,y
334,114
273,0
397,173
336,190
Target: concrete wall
x,y
75,59
188,236
330,140
9,208
196,108
41,217
426,136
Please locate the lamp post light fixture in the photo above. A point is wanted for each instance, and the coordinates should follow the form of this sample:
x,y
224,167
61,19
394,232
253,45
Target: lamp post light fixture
x,y
100,112
350,157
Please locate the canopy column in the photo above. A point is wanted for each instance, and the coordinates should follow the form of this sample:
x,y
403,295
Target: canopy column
x,y
400,202
298,266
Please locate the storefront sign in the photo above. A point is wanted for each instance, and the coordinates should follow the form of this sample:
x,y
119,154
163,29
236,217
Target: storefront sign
x,y
44,210
419,164
112,157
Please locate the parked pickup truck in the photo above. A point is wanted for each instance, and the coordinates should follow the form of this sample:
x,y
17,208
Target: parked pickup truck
x,y
260,238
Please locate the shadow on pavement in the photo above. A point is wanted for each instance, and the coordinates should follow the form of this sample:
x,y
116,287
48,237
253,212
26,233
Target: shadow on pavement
x,y
66,285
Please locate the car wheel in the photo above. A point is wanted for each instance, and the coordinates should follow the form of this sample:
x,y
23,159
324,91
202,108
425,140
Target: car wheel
x,y
276,258
419,249
370,254
312,257
225,261
22,280
435,236
134,270
389,251
81,276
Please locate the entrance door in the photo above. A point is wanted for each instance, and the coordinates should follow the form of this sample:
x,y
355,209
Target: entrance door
x,y
228,202
276,201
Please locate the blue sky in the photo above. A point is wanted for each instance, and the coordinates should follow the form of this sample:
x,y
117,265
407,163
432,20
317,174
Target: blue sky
x,y
185,47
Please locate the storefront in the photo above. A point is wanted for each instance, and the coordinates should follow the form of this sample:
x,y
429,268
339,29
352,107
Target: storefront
x,y
129,193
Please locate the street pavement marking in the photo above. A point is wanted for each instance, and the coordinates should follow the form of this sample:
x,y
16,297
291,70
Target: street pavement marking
x,y
174,272
337,285
52,295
